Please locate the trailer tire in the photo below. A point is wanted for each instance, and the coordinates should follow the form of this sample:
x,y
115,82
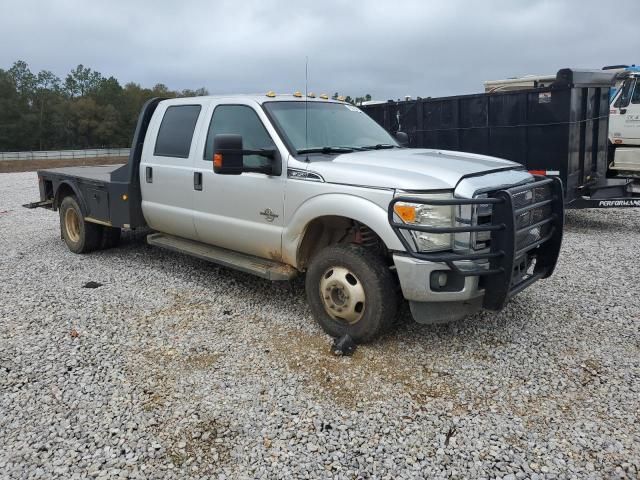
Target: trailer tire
x,y
110,237
79,235
351,290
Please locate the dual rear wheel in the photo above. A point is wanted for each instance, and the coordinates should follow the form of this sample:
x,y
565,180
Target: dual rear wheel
x,y
82,236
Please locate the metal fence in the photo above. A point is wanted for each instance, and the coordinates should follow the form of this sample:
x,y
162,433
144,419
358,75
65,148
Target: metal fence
x,y
65,154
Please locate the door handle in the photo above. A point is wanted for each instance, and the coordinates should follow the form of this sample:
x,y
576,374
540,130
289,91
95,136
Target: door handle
x,y
623,111
197,180
148,173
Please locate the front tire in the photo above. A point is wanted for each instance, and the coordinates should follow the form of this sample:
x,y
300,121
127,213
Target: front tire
x,y
351,291
79,235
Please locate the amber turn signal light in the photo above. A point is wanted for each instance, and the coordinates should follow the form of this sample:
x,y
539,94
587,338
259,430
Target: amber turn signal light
x,y
217,160
406,212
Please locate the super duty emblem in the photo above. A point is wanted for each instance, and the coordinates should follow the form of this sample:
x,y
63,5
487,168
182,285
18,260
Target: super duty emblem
x,y
269,215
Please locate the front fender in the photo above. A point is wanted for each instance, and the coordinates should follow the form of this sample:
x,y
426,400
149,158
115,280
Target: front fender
x,y
343,205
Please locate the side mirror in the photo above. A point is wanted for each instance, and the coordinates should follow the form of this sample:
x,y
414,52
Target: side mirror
x,y
227,154
228,157
403,139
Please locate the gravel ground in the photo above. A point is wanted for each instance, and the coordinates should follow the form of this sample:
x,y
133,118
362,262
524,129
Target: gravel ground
x,y
177,367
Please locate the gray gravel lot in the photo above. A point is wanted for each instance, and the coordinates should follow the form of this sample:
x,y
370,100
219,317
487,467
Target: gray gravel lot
x,y
177,367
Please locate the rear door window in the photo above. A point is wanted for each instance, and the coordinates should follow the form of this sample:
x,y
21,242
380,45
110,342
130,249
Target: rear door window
x,y
176,131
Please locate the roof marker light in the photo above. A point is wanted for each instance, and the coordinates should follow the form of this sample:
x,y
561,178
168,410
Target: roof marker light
x,y
341,98
311,95
297,95
271,94
324,96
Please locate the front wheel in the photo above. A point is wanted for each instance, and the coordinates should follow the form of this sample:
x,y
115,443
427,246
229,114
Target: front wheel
x,y
351,291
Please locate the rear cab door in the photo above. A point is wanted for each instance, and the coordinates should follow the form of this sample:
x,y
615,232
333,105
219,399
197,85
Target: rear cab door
x,y
166,167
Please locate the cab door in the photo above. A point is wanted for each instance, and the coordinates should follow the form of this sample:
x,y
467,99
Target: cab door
x,y
166,169
624,117
240,212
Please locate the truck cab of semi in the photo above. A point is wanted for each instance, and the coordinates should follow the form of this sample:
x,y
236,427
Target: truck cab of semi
x,y
624,126
278,185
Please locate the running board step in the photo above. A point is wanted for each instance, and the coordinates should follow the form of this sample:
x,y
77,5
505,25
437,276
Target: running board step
x,y
261,267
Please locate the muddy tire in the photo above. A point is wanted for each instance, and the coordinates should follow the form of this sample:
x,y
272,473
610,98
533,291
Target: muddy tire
x,y
80,236
351,291
110,237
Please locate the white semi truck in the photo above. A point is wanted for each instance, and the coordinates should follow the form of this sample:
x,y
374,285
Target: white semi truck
x,y
624,127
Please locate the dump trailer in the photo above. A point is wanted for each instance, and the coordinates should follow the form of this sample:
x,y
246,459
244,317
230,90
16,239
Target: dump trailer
x,y
558,129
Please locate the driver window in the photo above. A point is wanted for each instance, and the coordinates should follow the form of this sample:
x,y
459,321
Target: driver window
x,y
625,95
635,98
240,120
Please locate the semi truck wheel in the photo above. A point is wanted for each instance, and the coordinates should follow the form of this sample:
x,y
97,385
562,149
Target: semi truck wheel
x,y
351,291
80,236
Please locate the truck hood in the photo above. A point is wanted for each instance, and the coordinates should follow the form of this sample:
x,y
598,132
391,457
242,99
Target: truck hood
x,y
406,168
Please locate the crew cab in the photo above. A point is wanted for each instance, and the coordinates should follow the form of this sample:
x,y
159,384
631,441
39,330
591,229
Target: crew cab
x,y
280,185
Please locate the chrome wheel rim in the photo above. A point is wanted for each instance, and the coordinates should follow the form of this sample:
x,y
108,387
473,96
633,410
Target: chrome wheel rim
x,y
342,295
72,225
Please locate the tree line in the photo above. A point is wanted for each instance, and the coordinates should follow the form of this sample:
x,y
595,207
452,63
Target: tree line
x,y
40,111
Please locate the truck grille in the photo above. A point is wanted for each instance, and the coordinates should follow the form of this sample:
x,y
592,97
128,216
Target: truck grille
x,y
481,216
533,215
533,218
513,236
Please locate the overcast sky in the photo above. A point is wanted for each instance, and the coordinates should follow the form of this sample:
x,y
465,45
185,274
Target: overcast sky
x,y
388,48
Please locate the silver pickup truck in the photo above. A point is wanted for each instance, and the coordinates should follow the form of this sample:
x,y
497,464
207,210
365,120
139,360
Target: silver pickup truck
x,y
277,185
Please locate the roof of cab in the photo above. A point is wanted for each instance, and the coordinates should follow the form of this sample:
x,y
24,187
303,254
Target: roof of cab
x,y
258,98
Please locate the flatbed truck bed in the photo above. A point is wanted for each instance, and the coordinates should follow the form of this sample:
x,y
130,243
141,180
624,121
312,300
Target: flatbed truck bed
x,y
108,195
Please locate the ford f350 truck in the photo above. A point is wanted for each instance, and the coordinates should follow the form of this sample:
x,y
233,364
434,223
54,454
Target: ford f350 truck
x,y
279,185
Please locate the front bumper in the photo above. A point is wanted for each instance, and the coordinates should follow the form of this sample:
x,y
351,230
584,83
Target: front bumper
x,y
514,261
416,278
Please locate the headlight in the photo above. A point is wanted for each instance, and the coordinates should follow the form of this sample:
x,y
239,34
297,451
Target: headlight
x,y
427,216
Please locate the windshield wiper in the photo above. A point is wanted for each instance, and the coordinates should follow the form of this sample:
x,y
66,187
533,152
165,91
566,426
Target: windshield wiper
x,y
379,146
326,150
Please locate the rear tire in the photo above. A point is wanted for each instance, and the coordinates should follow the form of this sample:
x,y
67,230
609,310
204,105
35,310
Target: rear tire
x,y
79,235
351,291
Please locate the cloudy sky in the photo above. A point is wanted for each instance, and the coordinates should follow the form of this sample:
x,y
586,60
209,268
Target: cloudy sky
x,y
385,48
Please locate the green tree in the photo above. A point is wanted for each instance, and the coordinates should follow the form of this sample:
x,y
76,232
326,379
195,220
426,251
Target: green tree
x,y
81,81
10,112
47,91
23,78
161,90
194,93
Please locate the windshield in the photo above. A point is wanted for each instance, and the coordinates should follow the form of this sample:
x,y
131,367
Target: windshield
x,y
327,127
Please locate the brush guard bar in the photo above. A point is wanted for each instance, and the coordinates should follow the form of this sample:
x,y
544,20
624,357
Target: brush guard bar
x,y
510,264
